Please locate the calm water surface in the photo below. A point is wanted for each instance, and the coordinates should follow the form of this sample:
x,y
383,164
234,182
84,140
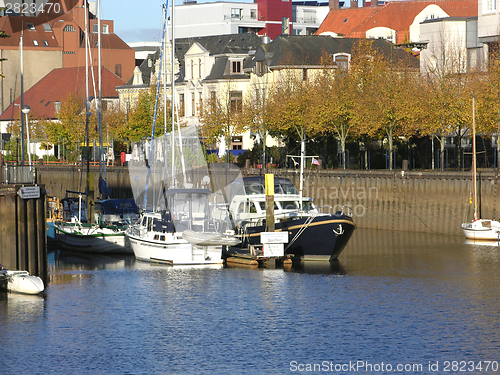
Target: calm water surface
x,y
413,302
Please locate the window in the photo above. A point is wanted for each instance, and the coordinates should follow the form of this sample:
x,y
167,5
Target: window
x,y
199,68
181,105
236,67
304,74
236,101
491,5
200,102
253,14
285,26
236,13
193,105
57,106
69,28
260,66
45,43
192,69
35,42
47,27
105,29
342,62
213,99
118,70
95,28
30,26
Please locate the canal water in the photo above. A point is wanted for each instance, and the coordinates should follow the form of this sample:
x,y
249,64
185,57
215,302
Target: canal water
x,y
395,302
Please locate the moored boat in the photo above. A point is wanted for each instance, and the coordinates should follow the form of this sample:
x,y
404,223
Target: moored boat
x,y
312,235
20,282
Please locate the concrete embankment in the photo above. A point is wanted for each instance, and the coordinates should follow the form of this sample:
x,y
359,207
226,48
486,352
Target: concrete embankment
x,y
432,202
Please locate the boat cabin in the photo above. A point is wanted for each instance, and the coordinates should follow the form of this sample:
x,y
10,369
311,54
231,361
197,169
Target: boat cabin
x,y
248,199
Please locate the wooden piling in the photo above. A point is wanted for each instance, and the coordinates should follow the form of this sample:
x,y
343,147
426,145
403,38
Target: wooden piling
x,y
23,238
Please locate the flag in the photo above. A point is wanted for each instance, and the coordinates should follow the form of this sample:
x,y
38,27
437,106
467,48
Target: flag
x,y
315,161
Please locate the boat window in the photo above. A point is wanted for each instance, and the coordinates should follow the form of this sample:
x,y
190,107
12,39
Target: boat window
x,y
253,209
263,206
241,208
289,205
307,205
156,237
162,238
254,188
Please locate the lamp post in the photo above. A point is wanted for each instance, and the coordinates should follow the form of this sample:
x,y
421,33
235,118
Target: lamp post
x,y
26,109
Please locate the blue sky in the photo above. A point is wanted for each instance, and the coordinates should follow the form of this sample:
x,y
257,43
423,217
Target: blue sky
x,y
135,21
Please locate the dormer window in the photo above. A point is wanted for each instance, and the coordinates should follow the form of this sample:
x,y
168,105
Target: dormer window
x,y
31,26
105,29
236,67
342,61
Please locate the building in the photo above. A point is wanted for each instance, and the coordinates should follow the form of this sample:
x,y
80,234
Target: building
x,y
47,95
397,21
263,17
55,39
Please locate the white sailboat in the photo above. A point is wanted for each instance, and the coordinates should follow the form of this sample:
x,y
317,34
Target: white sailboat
x,y
99,237
479,229
177,226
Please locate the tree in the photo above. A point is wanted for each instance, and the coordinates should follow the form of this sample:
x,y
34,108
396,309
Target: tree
x,y
140,123
335,104
222,114
70,128
387,86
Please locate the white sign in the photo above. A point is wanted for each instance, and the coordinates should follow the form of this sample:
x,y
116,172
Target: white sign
x,y
273,249
274,237
28,192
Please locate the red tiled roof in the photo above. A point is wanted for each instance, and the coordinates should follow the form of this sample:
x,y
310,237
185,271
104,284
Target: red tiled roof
x,y
56,86
396,15
13,26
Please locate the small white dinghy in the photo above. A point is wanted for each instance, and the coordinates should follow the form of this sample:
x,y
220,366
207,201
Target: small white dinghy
x,y
20,282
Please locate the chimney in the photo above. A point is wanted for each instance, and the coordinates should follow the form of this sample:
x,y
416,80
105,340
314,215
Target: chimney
x,y
334,4
354,4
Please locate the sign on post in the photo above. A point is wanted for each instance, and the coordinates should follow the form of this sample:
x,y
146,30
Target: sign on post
x,y
29,192
273,243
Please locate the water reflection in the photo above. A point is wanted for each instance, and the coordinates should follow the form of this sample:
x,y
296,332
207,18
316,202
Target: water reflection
x,y
391,297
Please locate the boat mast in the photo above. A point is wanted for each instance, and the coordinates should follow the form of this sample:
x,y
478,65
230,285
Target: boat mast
x,y
302,159
172,100
22,97
474,182
99,103
87,100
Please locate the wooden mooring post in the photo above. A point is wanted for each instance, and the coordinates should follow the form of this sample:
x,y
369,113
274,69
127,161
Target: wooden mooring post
x,y
23,237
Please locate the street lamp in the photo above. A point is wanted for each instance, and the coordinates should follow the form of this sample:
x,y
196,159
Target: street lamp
x,y
26,109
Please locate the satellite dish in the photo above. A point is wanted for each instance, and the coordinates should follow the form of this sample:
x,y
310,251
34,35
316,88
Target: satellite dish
x,y
206,180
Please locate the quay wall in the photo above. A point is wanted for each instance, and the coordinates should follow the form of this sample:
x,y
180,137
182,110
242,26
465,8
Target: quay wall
x,y
415,201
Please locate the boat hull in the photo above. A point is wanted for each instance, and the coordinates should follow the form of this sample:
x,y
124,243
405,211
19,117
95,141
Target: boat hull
x,y
323,238
92,239
172,250
482,230
21,282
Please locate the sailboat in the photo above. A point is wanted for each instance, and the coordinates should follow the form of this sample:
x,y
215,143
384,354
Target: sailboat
x,y
99,237
177,225
479,229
